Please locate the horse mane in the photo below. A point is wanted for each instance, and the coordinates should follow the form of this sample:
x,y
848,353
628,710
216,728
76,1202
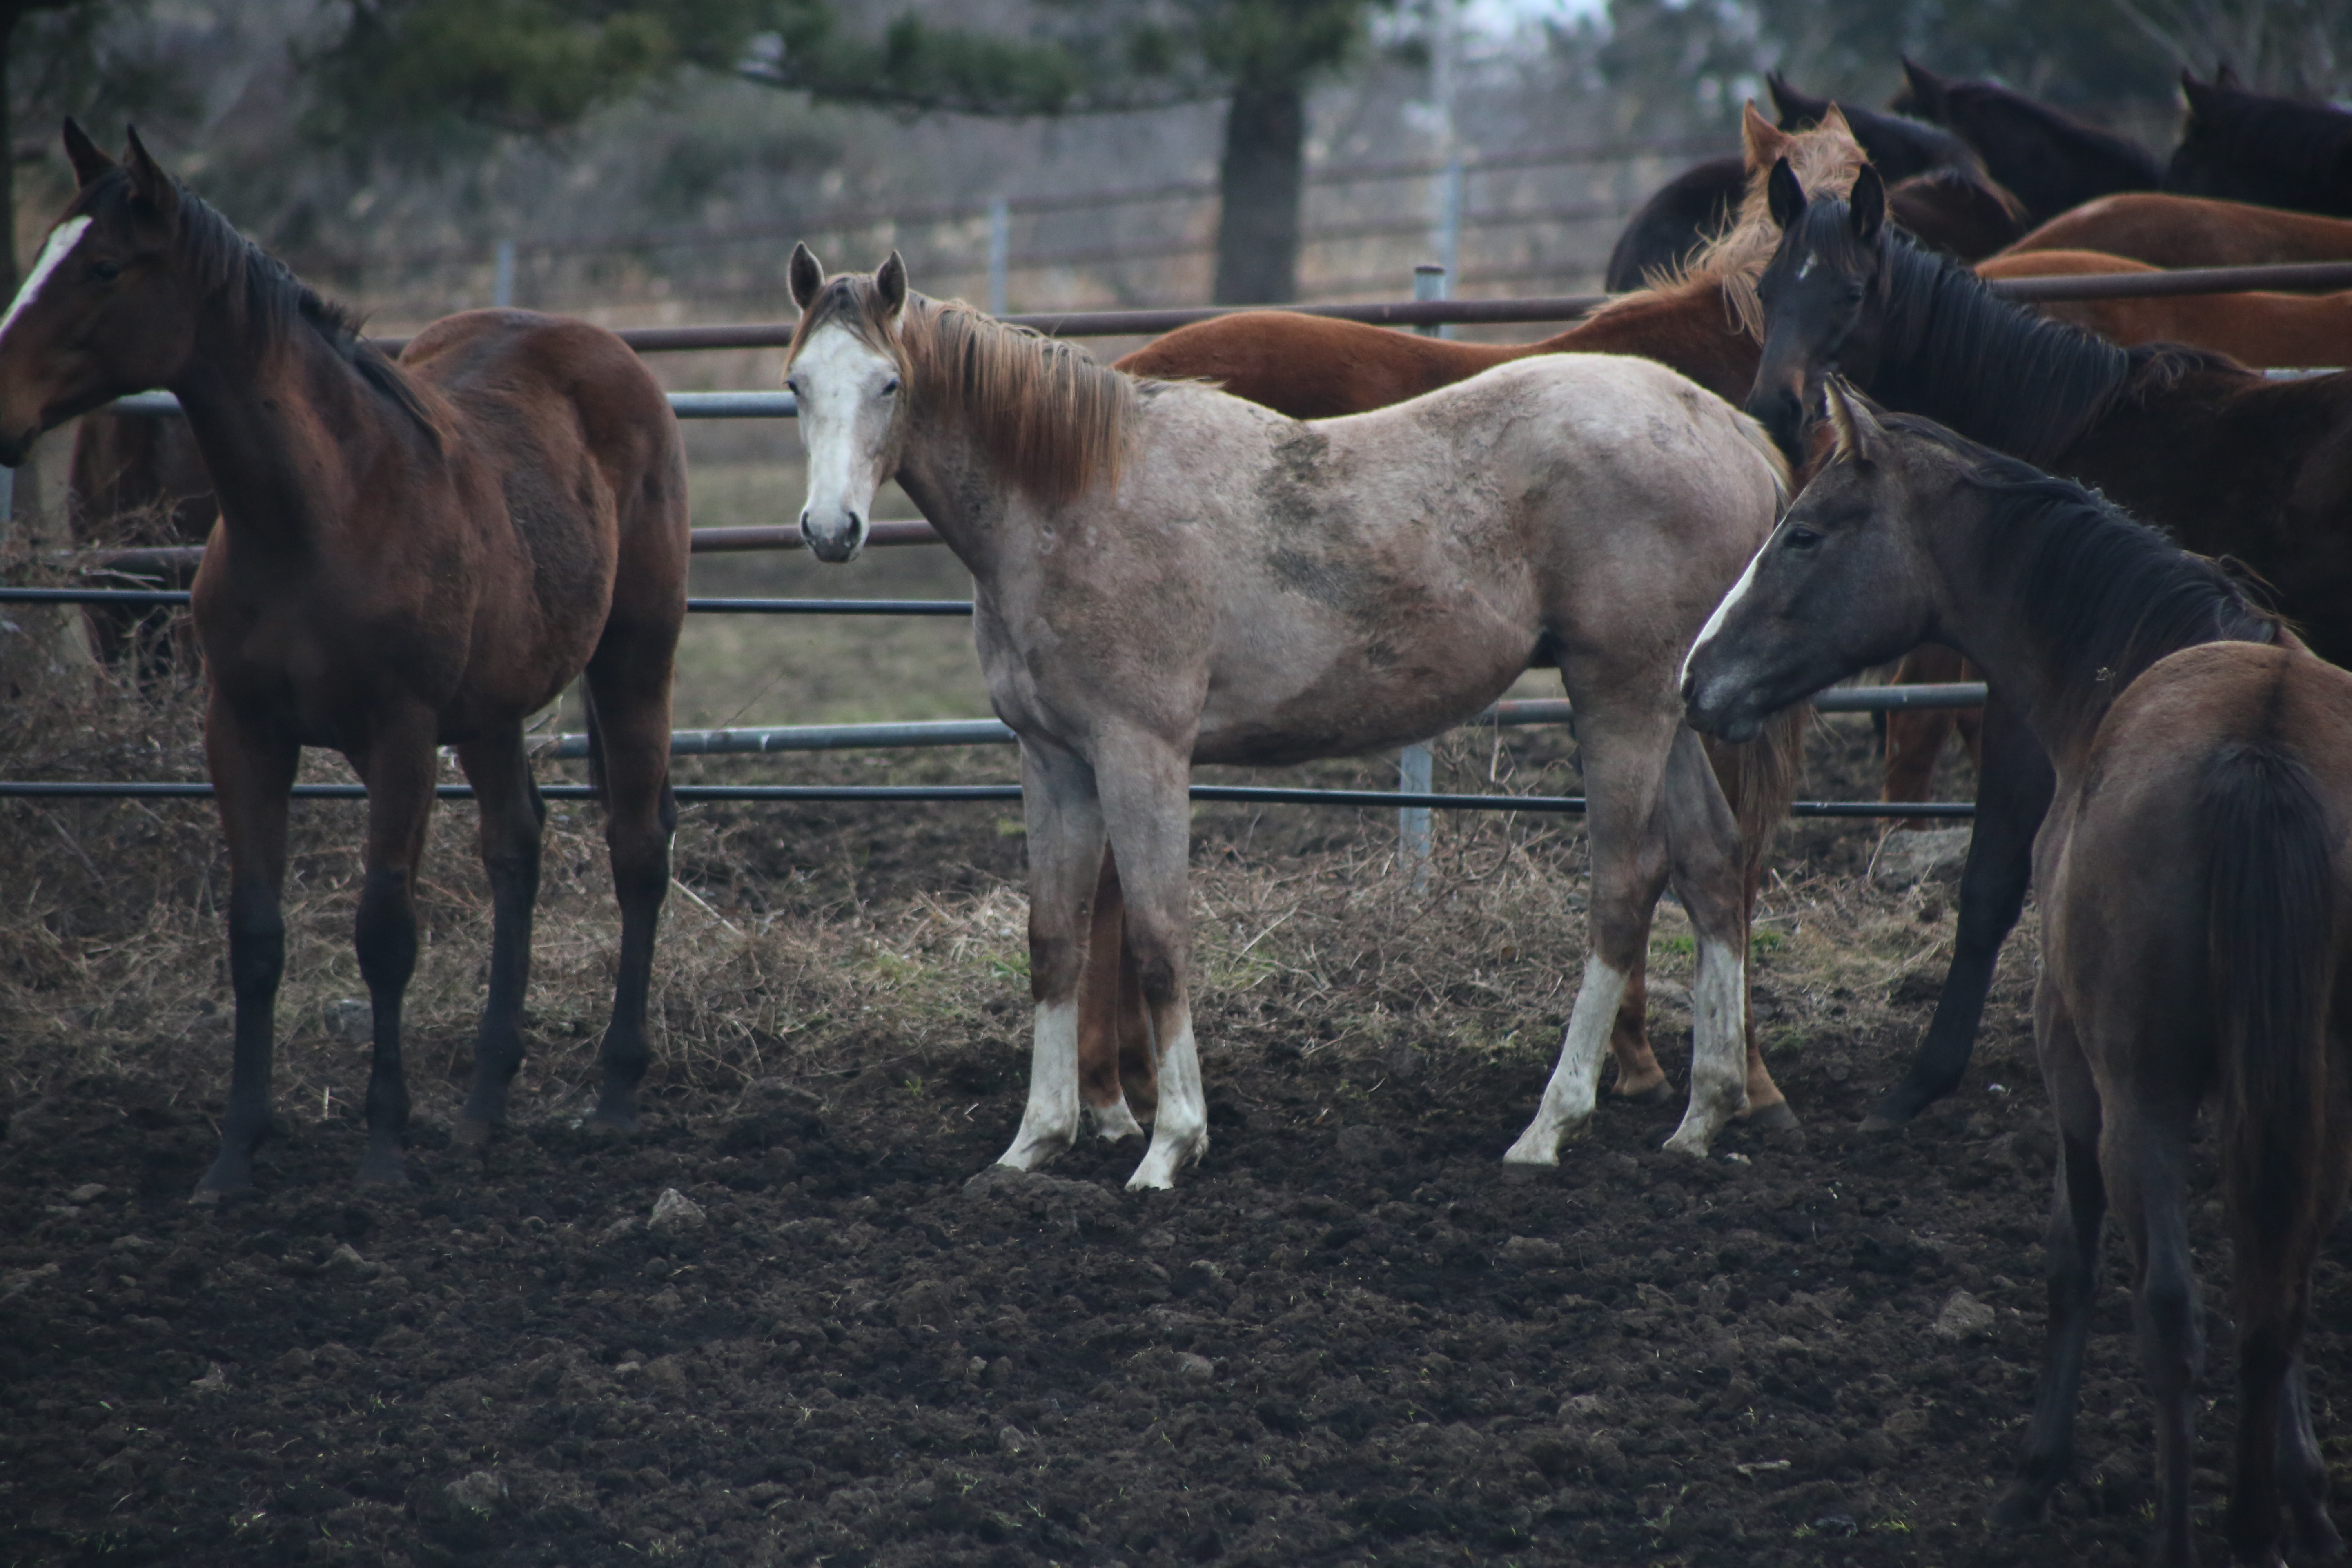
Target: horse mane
x,y
1954,350
1058,422
2109,594
1826,159
263,295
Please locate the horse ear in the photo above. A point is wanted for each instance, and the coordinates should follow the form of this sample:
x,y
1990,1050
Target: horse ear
x,y
2198,95
1762,140
1925,91
87,159
1833,118
1784,102
147,181
890,283
2226,75
1866,208
806,274
1785,195
1860,435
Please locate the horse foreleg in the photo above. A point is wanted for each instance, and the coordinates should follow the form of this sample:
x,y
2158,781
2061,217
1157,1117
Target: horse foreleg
x,y
629,681
2078,1204
1110,1009
1624,762
1916,736
2013,791
252,771
1143,783
1708,873
1065,847
399,764
512,820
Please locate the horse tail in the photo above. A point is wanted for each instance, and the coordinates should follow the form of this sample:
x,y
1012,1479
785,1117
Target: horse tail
x,y
595,744
2270,911
1760,780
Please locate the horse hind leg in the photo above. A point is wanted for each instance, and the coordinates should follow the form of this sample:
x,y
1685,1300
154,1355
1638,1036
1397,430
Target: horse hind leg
x,y
1110,1016
628,684
513,819
252,776
2144,1151
399,766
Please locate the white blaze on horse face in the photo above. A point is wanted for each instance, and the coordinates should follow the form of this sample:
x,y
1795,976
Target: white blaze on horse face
x,y
62,239
1718,1047
1568,1097
848,392
1722,613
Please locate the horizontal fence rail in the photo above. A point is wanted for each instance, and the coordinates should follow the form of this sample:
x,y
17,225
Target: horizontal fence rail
x,y
1380,799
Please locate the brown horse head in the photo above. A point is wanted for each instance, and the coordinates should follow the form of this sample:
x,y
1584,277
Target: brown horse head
x,y
1842,584
104,309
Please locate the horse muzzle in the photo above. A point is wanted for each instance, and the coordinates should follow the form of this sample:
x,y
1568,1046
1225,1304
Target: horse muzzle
x,y
835,540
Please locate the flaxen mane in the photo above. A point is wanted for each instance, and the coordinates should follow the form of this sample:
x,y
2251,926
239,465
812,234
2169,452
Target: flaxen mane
x,y
1734,259
1058,422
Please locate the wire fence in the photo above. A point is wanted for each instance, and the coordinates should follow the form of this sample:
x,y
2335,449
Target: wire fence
x,y
1422,313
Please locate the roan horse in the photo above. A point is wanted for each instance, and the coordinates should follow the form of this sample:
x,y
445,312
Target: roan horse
x,y
1163,574
409,556
2230,463
2196,899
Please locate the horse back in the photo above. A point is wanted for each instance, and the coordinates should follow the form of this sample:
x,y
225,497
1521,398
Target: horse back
x,y
2166,231
586,452
1308,367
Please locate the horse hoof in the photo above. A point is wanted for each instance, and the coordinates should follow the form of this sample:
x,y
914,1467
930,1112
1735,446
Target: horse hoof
x,y
613,1123
2019,1508
473,1132
1775,1126
1878,1123
1658,1093
207,1197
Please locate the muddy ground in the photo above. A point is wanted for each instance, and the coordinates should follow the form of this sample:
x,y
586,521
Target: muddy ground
x,y
1351,1337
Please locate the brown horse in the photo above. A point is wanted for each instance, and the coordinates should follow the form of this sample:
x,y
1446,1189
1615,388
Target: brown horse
x,y
409,556
136,481
2256,328
1313,368
2192,231
2230,463
2196,900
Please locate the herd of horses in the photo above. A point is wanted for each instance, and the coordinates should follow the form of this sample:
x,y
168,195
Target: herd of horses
x,y
1270,537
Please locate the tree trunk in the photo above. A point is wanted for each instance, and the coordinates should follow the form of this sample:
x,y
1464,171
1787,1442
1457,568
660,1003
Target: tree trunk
x,y
1260,182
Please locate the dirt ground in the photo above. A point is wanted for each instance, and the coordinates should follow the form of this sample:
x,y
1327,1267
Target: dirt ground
x,y
1351,1336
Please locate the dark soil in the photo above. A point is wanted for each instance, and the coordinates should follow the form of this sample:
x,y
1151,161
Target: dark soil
x,y
1353,1336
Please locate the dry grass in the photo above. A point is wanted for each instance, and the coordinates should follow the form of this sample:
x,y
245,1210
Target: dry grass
x,y
813,941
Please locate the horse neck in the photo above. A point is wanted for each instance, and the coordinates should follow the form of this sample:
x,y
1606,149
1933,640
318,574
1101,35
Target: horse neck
x,y
1688,328
959,483
281,423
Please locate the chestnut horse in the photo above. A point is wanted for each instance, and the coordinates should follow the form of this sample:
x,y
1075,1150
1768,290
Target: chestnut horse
x,y
2164,231
2196,903
1164,574
2255,327
2229,462
410,555
1310,367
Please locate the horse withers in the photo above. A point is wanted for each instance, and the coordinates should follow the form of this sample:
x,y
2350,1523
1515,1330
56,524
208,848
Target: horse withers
x,y
2196,894
1165,574
410,555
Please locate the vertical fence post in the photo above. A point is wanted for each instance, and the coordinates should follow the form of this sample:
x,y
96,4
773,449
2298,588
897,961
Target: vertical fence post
x,y
1414,769
502,279
1000,256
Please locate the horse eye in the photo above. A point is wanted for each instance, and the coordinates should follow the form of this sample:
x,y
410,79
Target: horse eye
x,y
104,271
1802,539
890,387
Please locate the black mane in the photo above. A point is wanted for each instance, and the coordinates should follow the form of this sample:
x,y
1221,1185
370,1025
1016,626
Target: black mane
x,y
2112,595
1953,349
263,295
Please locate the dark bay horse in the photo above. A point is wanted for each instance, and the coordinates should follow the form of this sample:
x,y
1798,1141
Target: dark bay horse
x,y
409,556
1165,574
2196,896
2048,159
2251,147
2230,463
1899,147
